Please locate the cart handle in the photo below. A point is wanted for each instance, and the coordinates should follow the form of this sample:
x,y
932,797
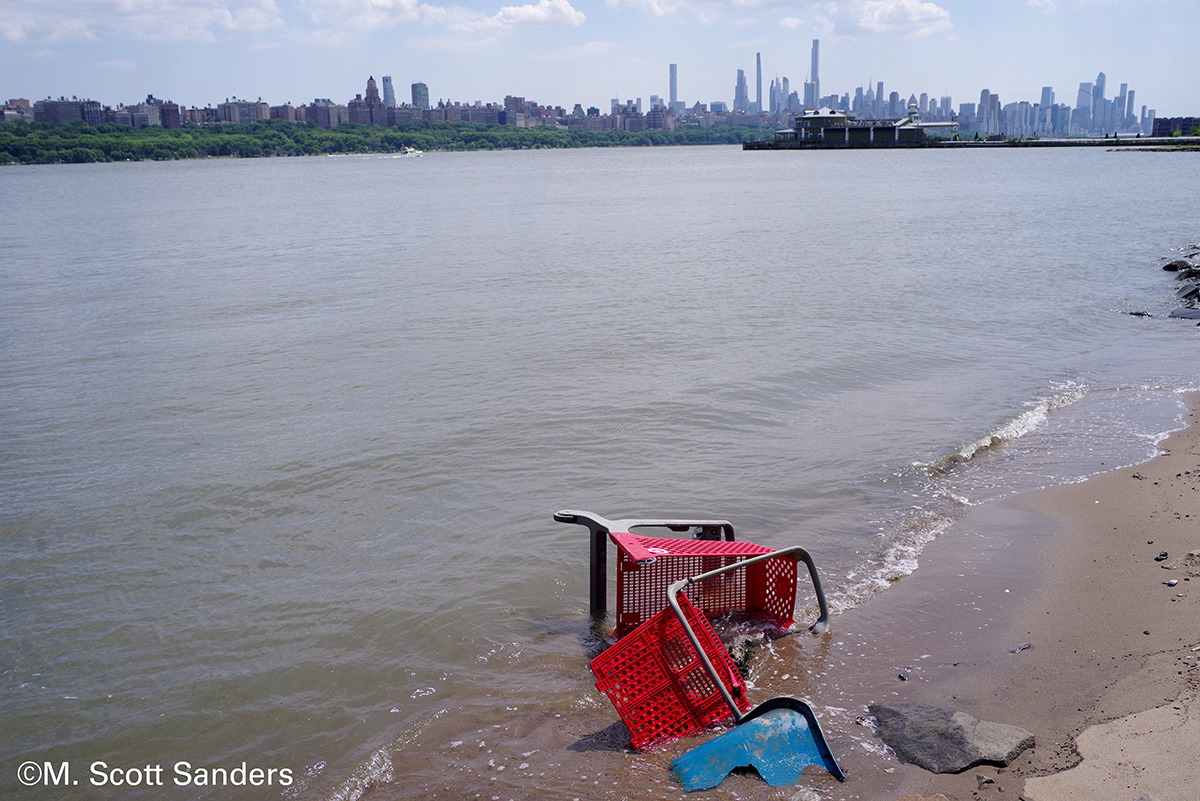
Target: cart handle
x,y
599,529
820,627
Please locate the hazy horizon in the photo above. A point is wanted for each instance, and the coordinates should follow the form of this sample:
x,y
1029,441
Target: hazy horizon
x,y
563,52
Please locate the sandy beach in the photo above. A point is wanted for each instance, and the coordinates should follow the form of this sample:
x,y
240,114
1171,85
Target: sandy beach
x,y
1089,636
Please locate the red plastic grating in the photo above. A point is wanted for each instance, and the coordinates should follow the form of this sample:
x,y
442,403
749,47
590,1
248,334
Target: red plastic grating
x,y
659,685
648,566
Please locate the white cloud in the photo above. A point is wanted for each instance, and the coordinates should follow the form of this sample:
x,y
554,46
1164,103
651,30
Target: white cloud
x,y
791,22
362,15
911,17
330,22
651,8
150,20
545,12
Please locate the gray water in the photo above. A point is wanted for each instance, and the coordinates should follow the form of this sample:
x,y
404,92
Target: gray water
x,y
282,439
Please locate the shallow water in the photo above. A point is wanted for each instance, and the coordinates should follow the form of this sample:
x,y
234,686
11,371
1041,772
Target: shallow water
x,y
283,437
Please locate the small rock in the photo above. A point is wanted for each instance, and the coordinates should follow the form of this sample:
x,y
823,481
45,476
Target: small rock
x,y
806,795
984,780
1171,583
1176,266
1161,557
904,674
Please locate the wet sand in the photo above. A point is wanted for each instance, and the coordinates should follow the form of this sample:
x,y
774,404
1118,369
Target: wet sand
x,y
1109,682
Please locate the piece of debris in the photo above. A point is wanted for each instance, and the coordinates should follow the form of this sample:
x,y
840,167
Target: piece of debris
x,y
1022,647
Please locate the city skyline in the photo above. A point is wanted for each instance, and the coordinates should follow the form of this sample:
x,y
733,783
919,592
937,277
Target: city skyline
x,y
563,52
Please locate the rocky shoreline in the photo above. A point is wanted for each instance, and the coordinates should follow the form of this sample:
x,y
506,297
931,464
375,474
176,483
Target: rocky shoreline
x,y
1187,272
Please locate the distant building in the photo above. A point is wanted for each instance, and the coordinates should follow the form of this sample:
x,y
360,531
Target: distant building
x,y
368,110
741,93
420,95
243,112
17,109
825,128
324,113
91,112
758,106
1170,126
812,87
61,110
389,92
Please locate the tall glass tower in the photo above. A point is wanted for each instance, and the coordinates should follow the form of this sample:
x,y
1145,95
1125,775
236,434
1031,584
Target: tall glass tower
x,y
389,93
741,93
816,74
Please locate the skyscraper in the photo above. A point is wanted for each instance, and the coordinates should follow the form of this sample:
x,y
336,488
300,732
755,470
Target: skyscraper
x,y
1045,121
758,96
389,93
816,73
373,97
741,93
674,85
420,95
1084,100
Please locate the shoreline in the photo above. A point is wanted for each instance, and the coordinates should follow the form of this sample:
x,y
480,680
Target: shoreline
x,y
1109,685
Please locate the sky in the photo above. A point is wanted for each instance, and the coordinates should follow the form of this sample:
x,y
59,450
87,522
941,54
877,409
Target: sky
x,y
563,52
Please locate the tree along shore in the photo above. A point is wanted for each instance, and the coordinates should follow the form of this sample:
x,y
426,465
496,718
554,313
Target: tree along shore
x,y
76,142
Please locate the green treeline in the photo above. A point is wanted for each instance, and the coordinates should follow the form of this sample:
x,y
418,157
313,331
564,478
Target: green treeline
x,y
77,142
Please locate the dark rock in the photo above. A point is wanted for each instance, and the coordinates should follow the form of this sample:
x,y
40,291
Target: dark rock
x,y
1140,314
1175,266
945,741
1187,275
1187,291
1186,314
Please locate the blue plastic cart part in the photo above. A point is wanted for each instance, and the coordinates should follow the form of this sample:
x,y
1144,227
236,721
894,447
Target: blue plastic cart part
x,y
779,738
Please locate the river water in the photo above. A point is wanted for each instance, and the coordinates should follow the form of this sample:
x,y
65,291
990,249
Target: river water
x,y
283,438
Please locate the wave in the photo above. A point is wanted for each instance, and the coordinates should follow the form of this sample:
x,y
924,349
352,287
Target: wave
x,y
904,536
1030,420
